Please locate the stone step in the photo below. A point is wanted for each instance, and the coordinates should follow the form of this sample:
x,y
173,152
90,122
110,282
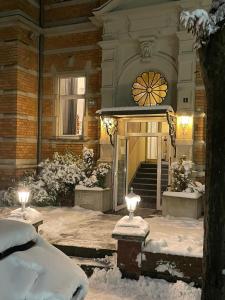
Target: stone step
x,y
145,186
143,192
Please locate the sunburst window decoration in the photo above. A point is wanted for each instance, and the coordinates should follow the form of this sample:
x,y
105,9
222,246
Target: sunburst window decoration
x,y
149,88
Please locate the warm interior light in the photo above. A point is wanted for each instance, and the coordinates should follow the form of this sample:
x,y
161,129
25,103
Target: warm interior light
x,y
185,123
185,120
132,201
23,198
110,125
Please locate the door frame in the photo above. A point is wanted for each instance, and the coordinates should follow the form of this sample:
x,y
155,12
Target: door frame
x,y
126,137
117,207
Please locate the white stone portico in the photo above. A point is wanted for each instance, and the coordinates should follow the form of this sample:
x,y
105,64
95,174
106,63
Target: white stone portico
x,y
143,36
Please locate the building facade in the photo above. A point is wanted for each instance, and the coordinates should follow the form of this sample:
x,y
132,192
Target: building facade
x,y
61,61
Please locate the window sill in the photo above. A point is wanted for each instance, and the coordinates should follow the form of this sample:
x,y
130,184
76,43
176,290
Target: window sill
x,y
70,138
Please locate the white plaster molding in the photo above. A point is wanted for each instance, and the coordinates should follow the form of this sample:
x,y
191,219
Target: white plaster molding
x,y
9,18
17,162
71,49
68,29
66,3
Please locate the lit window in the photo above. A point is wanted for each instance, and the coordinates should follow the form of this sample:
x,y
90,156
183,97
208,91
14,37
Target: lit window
x,y
72,105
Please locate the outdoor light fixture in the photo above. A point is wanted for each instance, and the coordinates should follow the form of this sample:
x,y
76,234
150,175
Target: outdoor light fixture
x,y
23,198
132,201
110,125
185,121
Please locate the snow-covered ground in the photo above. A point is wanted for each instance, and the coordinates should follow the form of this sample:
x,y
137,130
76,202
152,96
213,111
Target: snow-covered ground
x,y
109,286
85,228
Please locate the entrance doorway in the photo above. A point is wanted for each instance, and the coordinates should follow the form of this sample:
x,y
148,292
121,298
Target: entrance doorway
x,y
142,159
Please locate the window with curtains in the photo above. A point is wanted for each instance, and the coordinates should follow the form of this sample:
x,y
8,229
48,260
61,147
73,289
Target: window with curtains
x,y
72,105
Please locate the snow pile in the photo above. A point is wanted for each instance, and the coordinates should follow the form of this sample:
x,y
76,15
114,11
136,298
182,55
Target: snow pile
x,y
135,227
175,236
203,24
83,188
185,194
109,286
170,268
30,215
40,272
14,233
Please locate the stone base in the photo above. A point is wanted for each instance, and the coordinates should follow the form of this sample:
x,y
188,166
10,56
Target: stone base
x,y
98,200
188,205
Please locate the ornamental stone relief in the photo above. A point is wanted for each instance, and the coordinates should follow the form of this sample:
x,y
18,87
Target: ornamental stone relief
x,y
147,48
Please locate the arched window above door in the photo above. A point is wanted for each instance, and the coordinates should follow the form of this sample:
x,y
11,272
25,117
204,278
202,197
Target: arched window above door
x,y
149,88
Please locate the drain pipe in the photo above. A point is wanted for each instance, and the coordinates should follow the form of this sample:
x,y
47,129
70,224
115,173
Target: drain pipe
x,y
40,81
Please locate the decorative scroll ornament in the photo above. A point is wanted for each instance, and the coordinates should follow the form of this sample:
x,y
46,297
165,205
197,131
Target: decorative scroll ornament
x,y
110,125
150,88
147,48
172,130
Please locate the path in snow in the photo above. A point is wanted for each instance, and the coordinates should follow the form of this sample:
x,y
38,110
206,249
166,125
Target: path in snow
x,y
85,228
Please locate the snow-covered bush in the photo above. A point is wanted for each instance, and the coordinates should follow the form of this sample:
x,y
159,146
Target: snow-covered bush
x,y
181,175
93,176
203,24
181,178
58,177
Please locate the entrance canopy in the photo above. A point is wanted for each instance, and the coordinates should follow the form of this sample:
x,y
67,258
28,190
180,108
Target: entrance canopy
x,y
146,111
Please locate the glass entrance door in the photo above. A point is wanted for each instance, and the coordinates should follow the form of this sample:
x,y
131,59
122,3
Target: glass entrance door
x,y
148,157
120,173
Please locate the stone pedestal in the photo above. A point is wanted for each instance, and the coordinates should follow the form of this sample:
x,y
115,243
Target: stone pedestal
x,y
180,204
29,215
131,236
94,198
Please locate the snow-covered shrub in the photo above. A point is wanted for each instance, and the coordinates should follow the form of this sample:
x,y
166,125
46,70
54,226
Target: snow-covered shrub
x,y
93,176
88,161
181,175
181,178
203,24
58,177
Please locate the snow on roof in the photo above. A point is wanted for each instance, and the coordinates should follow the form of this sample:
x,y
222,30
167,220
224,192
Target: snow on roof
x,y
131,110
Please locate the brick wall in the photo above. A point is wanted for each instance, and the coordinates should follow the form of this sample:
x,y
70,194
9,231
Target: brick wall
x,y
18,101
199,122
68,47
72,50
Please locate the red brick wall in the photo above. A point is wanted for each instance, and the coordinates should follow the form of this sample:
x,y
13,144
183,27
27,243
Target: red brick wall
x,y
72,52
68,51
200,120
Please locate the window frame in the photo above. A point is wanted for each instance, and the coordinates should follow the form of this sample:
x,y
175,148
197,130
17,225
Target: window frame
x,y
71,97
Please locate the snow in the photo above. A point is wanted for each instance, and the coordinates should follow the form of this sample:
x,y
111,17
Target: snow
x,y
135,108
78,226
29,215
175,236
141,257
83,188
109,286
203,24
194,195
135,227
84,228
170,268
41,272
14,233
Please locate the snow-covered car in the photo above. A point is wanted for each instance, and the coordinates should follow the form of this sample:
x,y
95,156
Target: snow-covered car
x,y
32,269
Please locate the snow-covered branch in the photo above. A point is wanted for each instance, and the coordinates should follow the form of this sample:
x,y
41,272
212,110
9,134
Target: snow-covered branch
x,y
203,24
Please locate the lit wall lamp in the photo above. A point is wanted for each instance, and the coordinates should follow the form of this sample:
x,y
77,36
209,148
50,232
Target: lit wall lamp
x,y
132,201
23,198
110,125
185,122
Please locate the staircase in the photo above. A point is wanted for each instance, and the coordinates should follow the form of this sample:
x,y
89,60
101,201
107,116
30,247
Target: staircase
x,y
145,183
